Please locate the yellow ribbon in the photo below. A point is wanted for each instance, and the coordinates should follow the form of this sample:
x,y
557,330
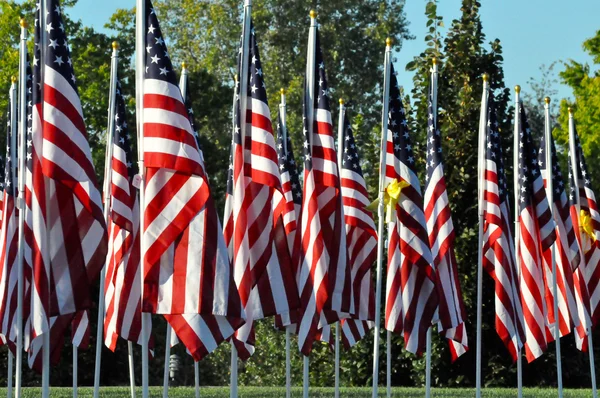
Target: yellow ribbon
x,y
391,197
585,224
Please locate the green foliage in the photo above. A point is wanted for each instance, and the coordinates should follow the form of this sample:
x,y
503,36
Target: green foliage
x,y
268,392
584,79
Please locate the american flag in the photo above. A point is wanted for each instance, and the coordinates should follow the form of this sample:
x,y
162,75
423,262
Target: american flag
x,y
498,244
537,233
411,298
187,273
451,309
286,206
9,231
361,238
587,275
258,243
567,255
122,290
324,281
68,242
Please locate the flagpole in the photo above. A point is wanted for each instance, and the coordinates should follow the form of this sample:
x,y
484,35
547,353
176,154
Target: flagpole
x,y
21,200
573,161
243,107
46,335
310,85
197,379
434,79
107,200
550,194
140,62
131,369
74,371
288,359
337,324
384,128
516,133
13,151
481,181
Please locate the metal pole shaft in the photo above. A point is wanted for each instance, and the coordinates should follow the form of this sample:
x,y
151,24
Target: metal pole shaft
x,y
21,201
305,380
131,369
379,277
75,365
480,176
340,154
516,134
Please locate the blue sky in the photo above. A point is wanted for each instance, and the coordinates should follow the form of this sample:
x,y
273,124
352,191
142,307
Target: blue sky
x,y
532,32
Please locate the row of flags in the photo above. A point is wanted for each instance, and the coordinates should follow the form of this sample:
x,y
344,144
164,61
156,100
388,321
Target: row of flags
x,y
299,252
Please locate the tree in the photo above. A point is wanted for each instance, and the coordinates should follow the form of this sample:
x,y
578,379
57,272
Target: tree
x,y
584,79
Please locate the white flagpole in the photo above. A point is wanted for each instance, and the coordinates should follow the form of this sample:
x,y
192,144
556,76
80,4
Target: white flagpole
x,y
140,62
338,335
107,199
434,79
384,130
197,379
388,375
21,199
13,94
550,194
516,133
310,85
288,359
574,168
46,335
483,118
74,371
131,369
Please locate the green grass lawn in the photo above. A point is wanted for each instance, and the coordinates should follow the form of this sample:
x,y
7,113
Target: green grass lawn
x,y
268,392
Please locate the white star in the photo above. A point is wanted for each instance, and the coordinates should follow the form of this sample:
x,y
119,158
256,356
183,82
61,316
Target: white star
x,y
59,61
49,28
322,65
148,49
159,40
163,71
53,43
253,88
151,29
57,9
155,59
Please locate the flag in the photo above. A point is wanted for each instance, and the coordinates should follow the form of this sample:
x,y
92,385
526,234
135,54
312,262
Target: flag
x,y
411,298
187,274
586,222
258,244
9,232
567,255
69,239
122,289
451,308
324,281
361,238
498,244
536,234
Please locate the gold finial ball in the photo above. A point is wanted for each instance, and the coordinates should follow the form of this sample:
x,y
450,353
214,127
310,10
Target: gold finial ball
x,y
570,111
341,101
388,42
486,77
282,91
115,45
23,23
434,61
547,100
13,79
183,65
313,14
517,89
